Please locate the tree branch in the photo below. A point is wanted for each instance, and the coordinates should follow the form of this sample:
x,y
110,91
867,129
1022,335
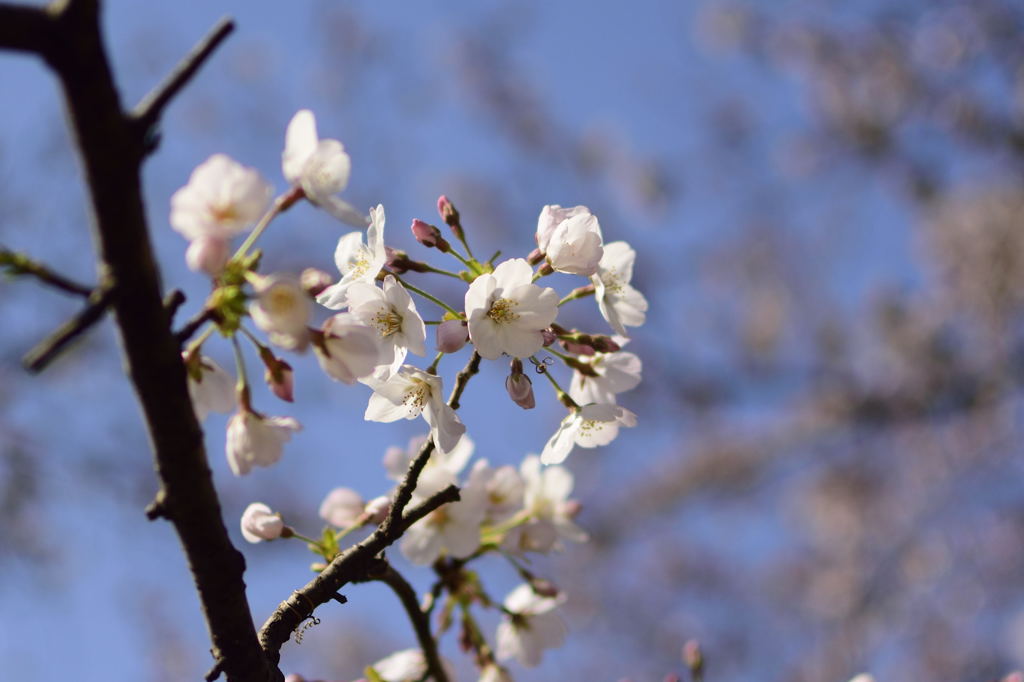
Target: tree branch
x,y
147,113
18,264
112,145
47,350
420,620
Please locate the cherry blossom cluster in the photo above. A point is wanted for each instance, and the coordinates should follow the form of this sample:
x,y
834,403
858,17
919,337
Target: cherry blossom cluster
x,y
372,327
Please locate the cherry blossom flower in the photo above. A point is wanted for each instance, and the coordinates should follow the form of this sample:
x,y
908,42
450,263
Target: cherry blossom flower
x,y
588,427
546,501
222,198
494,673
621,305
503,487
254,440
615,373
342,508
397,460
411,393
320,167
535,626
260,523
392,313
550,218
575,246
210,387
346,349
507,312
208,254
453,528
407,666
282,309
356,261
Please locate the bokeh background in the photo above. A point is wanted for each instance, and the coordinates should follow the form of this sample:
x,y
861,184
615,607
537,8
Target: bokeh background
x,y
826,199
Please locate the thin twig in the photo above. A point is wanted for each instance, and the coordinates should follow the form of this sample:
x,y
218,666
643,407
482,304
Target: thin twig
x,y
152,106
192,326
46,351
420,620
18,264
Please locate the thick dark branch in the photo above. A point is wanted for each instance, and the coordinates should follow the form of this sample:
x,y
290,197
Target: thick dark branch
x,y
25,29
18,264
112,148
47,350
420,620
355,563
149,110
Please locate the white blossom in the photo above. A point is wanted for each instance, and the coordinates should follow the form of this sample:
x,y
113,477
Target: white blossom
x,y
260,523
282,309
212,391
503,487
588,427
320,167
549,509
494,673
347,350
575,246
616,373
257,441
397,460
506,311
391,312
356,261
208,254
221,199
407,666
411,393
453,528
621,305
342,507
534,627
551,217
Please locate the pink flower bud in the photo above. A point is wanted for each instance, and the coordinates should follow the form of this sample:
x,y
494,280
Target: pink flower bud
x,y
259,523
519,387
399,262
429,235
693,657
544,588
570,509
450,216
208,254
377,509
549,336
314,281
281,381
452,335
342,508
535,256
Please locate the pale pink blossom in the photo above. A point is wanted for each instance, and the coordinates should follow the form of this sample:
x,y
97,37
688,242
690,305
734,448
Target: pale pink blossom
x,y
589,426
342,508
507,312
454,528
283,310
576,245
320,167
222,198
391,312
347,350
620,304
211,388
410,393
260,523
208,254
550,218
535,626
548,508
613,373
397,460
356,261
254,440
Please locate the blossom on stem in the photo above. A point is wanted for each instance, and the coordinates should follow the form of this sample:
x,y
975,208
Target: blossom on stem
x,y
222,198
453,528
210,387
410,393
320,167
391,312
503,488
588,426
254,440
452,335
621,305
406,666
260,523
575,245
551,217
603,376
550,511
519,386
356,261
346,349
533,627
507,312
282,309
208,254
342,508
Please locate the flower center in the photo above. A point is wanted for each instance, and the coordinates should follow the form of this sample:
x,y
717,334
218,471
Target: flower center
x,y
591,426
612,281
417,396
502,312
224,213
387,321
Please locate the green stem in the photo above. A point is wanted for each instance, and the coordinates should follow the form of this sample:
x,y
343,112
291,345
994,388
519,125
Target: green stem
x,y
202,337
311,541
433,366
538,363
280,204
447,273
429,297
582,292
